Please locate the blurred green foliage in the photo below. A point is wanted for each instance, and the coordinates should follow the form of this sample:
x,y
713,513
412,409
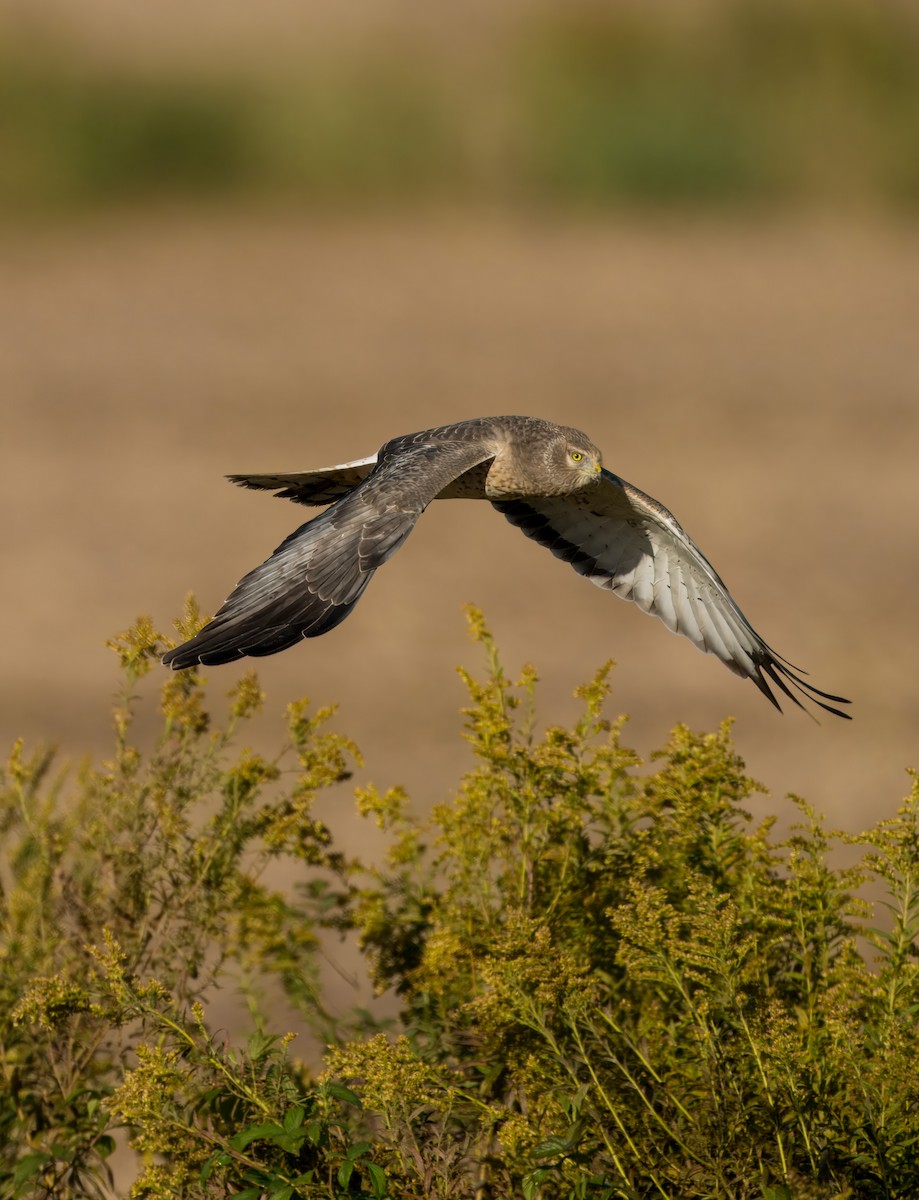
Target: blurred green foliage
x,y
612,983
765,101
756,103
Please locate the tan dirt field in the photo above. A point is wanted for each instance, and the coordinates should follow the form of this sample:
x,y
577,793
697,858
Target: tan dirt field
x,y
763,381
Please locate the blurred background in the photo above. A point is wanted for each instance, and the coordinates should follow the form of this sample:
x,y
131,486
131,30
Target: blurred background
x,y
268,237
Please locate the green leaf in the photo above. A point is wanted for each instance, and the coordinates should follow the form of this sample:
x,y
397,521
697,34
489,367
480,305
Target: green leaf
x,y
290,1143
560,1143
266,1132
28,1166
209,1166
357,1150
345,1171
572,1104
340,1092
259,1044
252,1193
532,1181
314,1131
377,1180
294,1118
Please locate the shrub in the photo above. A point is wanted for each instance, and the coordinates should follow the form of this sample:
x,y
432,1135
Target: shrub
x,y
612,983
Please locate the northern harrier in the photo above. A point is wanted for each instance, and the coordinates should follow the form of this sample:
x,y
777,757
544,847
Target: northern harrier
x,y
547,480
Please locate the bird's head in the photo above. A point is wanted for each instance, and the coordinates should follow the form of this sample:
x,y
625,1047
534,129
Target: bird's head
x,y
576,459
539,458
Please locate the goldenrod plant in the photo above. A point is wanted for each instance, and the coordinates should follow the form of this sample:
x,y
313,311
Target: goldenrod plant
x,y
612,982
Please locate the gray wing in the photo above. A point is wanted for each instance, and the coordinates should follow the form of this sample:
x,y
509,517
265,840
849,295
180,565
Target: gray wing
x,y
328,484
317,575
621,539
322,486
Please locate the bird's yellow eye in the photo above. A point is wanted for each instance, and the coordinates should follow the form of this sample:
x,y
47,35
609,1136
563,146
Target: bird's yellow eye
x,y
576,456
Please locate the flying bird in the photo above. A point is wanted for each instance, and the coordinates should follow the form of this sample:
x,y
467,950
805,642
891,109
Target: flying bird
x,y
546,479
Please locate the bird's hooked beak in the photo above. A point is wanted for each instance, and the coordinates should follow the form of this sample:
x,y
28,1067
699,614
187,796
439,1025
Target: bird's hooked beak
x,y
590,473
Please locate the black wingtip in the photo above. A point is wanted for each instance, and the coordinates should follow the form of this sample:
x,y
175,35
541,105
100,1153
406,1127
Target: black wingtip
x,y
243,481
210,647
286,492
780,674
182,657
